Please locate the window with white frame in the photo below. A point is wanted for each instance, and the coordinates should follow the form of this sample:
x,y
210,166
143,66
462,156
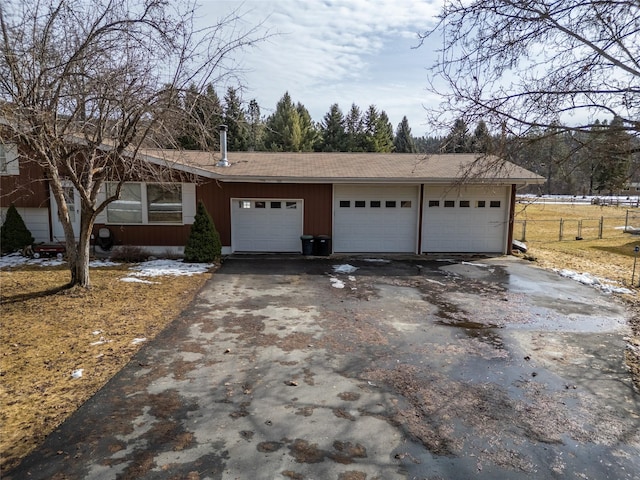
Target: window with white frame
x,y
9,159
164,203
142,203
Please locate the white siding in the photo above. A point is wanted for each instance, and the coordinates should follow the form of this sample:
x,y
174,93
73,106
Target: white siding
x,y
375,218
188,203
266,229
36,220
465,229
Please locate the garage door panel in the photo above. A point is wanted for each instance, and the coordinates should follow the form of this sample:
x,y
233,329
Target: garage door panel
x,y
479,227
375,218
266,225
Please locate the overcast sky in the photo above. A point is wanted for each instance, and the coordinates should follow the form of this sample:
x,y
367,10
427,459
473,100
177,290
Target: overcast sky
x,y
338,51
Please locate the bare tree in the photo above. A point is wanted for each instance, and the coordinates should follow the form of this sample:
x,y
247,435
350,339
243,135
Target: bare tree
x,y
84,85
537,63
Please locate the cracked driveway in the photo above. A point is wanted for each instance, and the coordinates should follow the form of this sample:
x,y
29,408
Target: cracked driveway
x,y
414,368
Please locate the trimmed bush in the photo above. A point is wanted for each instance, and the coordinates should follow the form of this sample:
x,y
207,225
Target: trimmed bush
x,y
14,234
203,244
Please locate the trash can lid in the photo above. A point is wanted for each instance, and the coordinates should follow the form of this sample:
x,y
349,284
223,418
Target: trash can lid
x,y
306,237
323,237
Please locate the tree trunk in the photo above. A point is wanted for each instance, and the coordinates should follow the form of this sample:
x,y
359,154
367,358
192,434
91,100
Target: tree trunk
x,y
79,262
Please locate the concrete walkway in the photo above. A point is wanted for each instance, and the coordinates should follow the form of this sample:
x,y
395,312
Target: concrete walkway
x,y
402,368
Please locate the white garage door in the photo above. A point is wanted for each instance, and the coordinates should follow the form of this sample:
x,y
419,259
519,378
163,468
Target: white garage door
x,y
375,218
266,225
465,220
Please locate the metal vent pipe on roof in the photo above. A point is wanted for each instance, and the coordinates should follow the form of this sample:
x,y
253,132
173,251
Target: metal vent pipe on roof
x,y
224,161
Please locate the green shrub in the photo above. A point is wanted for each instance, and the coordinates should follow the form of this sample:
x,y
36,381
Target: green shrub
x,y
203,244
14,234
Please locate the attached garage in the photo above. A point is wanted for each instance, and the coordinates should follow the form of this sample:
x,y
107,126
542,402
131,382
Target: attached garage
x,y
465,219
375,218
266,225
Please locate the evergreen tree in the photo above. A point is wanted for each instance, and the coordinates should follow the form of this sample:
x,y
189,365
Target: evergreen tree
x,y
370,123
354,130
458,140
202,114
309,135
481,142
203,244
613,150
234,119
383,137
283,130
256,127
14,234
333,130
404,142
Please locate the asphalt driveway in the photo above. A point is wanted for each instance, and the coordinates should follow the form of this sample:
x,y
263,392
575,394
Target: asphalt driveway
x,y
404,368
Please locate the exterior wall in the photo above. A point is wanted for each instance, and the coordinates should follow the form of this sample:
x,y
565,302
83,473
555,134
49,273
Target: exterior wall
x,y
217,196
153,235
36,220
147,235
28,189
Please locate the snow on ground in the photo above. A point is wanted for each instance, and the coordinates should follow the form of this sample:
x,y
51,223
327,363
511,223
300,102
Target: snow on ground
x,y
346,268
152,268
176,268
607,286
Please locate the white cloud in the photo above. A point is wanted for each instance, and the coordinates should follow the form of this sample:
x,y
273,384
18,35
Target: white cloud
x,y
344,51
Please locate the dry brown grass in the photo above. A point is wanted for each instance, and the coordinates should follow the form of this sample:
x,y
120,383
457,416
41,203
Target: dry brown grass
x,y
611,257
45,336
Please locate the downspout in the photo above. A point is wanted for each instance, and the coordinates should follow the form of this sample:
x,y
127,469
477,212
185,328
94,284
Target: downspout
x,y
420,219
512,212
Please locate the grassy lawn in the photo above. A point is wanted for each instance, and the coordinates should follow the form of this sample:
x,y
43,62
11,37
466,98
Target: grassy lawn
x,y
46,335
611,257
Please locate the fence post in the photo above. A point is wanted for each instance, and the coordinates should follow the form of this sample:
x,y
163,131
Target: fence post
x,y
579,236
561,230
524,231
601,227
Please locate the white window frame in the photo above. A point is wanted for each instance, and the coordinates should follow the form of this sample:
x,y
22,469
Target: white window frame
x,y
9,161
145,207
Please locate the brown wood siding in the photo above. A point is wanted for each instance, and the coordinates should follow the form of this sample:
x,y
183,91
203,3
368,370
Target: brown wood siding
x,y
29,189
151,235
317,198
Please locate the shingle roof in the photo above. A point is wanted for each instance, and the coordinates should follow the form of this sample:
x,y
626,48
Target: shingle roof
x,y
348,167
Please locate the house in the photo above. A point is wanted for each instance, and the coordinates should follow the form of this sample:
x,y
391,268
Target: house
x,y
264,202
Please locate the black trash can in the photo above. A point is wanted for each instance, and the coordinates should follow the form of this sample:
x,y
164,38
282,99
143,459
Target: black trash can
x,y
307,244
322,245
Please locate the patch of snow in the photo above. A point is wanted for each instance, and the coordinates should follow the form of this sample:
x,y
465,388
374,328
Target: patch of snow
x,y
335,283
77,373
96,332
102,263
137,341
157,268
346,268
100,342
475,264
607,286
435,281
16,260
137,280
376,260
